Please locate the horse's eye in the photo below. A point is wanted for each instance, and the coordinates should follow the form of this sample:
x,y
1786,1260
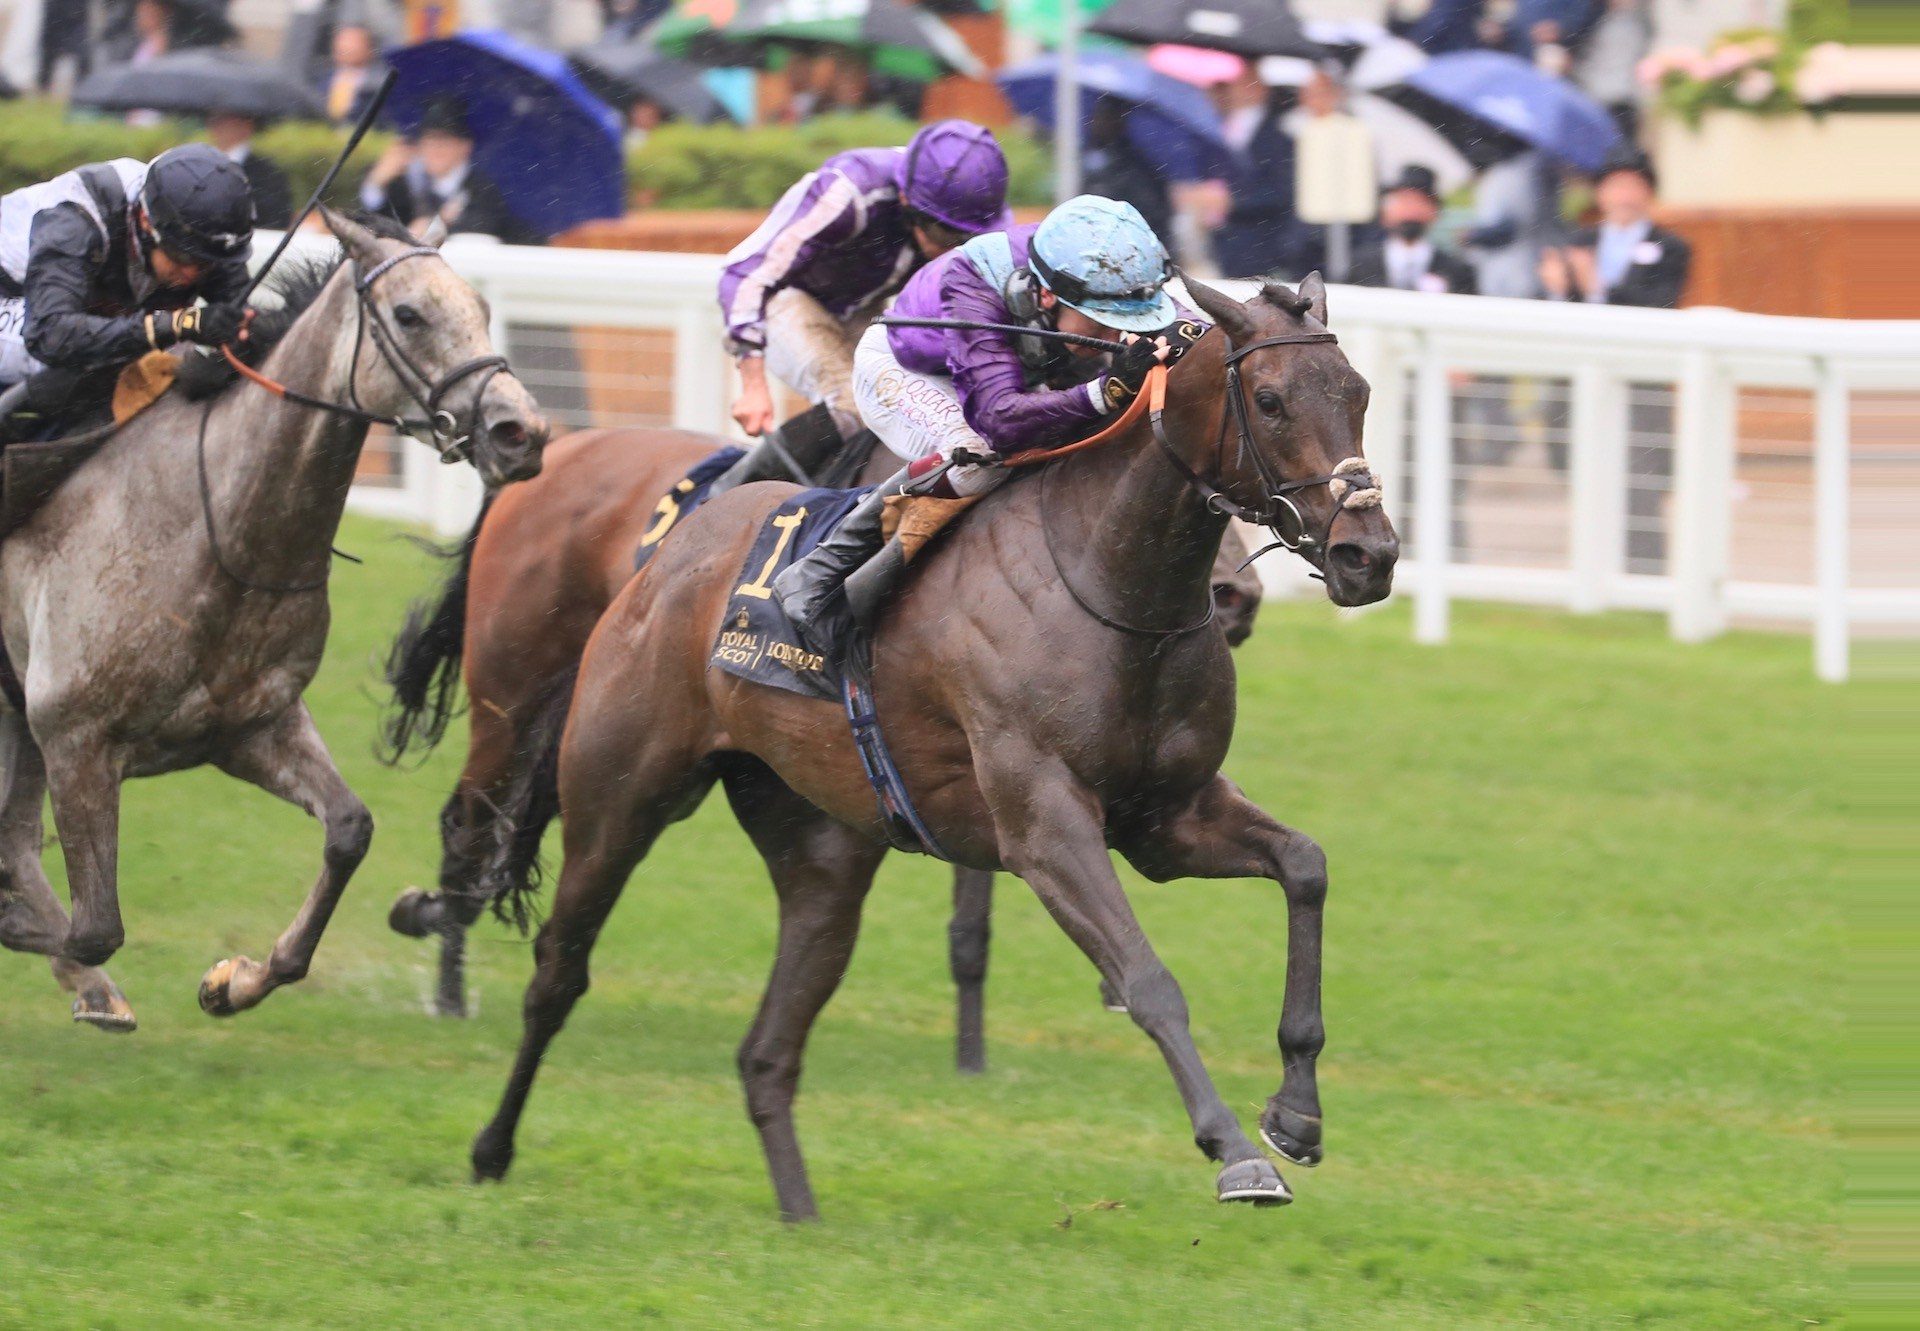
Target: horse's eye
x,y
1269,401
407,317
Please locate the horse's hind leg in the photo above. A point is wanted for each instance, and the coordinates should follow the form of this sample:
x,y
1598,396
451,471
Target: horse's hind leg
x,y
30,916
1221,834
822,870
466,839
290,760
968,934
624,776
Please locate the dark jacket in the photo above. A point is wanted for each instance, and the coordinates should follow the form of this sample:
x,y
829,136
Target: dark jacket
x,y
485,212
1117,170
1261,234
1657,276
272,192
1369,268
83,312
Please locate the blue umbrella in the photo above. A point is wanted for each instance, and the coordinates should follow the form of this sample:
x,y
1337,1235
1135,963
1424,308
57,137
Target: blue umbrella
x,y
1172,124
1480,99
551,146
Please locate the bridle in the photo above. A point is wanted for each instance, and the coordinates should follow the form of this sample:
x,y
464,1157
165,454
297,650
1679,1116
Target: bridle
x,y
1351,481
439,428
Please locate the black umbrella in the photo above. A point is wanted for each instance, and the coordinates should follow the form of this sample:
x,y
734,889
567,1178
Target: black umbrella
x,y
1250,28
199,83
622,72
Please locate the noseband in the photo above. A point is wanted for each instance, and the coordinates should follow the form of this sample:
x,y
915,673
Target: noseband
x,y
1352,481
439,429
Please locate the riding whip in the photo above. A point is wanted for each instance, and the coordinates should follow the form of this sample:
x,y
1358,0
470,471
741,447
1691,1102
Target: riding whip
x,y
367,117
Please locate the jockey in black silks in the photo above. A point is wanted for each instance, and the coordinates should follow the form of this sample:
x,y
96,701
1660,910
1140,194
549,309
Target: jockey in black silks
x,y
105,263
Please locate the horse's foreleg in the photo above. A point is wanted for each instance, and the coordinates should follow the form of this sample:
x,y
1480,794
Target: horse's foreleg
x,y
1052,834
1222,834
31,919
84,780
290,760
968,934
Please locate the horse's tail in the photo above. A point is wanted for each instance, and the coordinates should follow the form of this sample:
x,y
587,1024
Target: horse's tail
x,y
423,666
511,876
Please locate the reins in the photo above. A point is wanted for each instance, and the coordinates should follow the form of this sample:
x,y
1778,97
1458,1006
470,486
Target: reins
x,y
439,429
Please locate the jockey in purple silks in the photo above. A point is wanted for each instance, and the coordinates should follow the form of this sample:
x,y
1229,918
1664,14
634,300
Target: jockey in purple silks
x,y
798,292
1092,268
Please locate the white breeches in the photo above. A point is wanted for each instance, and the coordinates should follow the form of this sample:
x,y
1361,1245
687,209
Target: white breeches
x,y
916,415
811,352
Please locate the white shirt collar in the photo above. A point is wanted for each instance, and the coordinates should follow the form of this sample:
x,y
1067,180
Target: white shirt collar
x,y
240,152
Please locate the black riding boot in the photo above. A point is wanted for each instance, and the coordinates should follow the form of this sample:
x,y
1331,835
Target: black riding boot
x,y
807,588
27,406
795,451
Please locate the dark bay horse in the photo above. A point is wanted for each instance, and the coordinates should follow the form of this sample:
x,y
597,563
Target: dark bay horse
x,y
168,607
542,563
1049,692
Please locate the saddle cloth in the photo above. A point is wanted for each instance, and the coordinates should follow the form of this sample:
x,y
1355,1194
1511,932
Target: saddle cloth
x,y
687,494
757,641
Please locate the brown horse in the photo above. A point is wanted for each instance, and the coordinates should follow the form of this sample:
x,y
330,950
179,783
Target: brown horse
x,y
1049,692
542,563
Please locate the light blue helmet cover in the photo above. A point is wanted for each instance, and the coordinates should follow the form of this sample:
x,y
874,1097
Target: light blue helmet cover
x,y
1101,258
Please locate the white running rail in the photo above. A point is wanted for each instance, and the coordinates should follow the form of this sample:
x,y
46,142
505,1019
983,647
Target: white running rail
x,y
1711,465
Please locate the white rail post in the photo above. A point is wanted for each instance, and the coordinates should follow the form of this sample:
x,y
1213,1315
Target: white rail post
x,y
1702,500
700,371
1832,430
1433,504
1596,485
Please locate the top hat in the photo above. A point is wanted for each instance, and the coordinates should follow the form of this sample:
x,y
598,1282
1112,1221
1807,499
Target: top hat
x,y
1418,178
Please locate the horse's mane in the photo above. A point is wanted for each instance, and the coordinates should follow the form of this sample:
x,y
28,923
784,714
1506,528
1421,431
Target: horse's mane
x,y
295,284
1286,299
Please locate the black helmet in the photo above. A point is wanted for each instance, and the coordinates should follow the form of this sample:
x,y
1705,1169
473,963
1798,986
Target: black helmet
x,y
198,203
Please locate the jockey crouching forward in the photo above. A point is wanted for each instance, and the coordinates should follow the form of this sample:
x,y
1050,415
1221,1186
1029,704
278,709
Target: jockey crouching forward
x,y
1092,268
799,291
103,264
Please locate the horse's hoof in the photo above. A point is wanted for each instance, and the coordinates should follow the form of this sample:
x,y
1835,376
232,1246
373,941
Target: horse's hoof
x,y
409,911
105,1009
1255,1181
491,1159
217,996
1292,1136
1110,998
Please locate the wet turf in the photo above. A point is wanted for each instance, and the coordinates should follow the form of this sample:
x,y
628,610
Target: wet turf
x,y
1583,959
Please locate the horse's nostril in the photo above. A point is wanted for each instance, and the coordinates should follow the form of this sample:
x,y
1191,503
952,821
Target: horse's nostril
x,y
1350,557
507,433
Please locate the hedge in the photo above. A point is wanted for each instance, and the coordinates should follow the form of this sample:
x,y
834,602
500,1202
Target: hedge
x,y
680,166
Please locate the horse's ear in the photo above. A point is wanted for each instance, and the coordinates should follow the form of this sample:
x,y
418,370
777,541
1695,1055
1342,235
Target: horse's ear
x,y
1223,309
436,233
1314,292
359,241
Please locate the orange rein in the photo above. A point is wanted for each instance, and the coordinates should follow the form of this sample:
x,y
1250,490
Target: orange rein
x,y
1153,395
248,372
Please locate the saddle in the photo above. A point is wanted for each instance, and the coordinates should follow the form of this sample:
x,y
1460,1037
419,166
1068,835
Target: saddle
x,y
33,471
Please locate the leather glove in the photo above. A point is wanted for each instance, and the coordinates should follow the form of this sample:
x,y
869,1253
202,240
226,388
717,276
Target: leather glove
x,y
210,325
1181,335
1127,375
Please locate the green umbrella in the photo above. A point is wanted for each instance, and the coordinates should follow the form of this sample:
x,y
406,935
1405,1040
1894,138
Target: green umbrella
x,y
898,41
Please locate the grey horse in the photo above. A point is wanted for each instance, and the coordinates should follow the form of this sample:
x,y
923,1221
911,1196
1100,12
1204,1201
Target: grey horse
x,y
168,607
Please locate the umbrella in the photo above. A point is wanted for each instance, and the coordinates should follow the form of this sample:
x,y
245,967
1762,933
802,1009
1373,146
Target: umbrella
x,y
551,146
620,72
896,40
1250,28
1488,101
201,82
1173,124
1371,56
1197,65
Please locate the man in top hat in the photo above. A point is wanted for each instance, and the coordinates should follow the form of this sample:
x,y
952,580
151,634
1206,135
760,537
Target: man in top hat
x,y
433,176
1628,259
1403,257
232,133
